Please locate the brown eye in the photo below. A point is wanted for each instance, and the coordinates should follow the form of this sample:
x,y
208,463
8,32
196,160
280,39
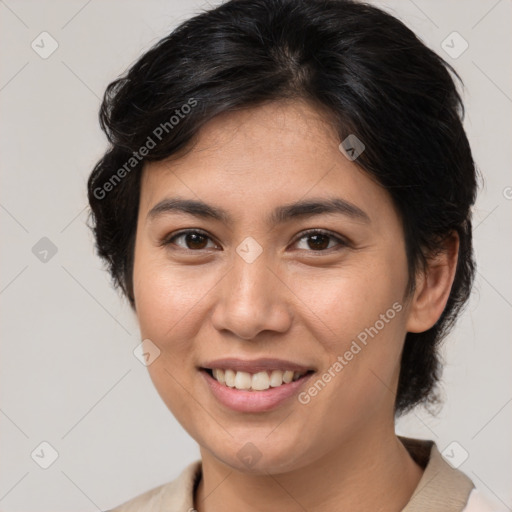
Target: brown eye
x,y
192,240
320,240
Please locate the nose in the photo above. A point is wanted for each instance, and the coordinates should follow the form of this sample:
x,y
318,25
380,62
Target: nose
x,y
252,298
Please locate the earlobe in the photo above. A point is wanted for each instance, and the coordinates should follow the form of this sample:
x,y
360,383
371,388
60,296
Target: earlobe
x,y
433,287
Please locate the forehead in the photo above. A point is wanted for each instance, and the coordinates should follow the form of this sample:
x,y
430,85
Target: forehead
x,y
290,118
273,154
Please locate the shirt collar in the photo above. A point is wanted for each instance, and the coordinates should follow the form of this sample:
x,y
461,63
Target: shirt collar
x,y
441,488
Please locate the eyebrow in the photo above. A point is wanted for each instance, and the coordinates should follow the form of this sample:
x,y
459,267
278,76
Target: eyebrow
x,y
279,215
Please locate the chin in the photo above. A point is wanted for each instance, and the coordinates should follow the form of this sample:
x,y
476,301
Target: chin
x,y
261,456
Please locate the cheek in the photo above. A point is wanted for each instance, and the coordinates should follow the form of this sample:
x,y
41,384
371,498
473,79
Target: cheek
x,y
359,317
167,311
167,297
343,302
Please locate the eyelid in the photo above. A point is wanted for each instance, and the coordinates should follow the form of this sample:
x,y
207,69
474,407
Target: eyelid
x,y
342,242
166,240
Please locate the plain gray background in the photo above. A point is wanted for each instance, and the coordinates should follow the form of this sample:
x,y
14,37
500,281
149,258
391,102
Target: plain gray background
x,y
68,373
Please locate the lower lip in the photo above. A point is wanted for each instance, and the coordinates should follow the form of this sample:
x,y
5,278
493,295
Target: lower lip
x,y
253,401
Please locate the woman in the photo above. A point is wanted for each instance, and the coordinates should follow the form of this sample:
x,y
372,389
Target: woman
x,y
286,203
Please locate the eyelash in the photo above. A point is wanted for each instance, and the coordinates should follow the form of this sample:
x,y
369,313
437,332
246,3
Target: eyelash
x,y
341,243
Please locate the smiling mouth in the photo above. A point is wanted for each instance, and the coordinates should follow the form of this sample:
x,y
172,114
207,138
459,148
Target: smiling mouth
x,y
259,381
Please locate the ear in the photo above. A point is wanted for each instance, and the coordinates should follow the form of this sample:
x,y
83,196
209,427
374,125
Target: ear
x,y
433,287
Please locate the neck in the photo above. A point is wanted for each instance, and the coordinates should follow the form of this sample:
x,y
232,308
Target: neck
x,y
371,472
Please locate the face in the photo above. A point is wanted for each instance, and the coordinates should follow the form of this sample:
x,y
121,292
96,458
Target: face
x,y
267,289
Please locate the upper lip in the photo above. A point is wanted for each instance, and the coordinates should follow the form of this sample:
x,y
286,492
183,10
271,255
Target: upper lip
x,y
255,365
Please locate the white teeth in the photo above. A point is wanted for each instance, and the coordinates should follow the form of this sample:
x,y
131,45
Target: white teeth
x,y
287,376
229,376
276,378
259,381
219,375
242,380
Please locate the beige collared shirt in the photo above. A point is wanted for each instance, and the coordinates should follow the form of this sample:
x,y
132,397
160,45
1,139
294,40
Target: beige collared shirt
x,y
440,489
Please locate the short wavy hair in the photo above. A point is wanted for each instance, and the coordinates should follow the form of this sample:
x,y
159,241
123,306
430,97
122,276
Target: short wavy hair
x,y
375,78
